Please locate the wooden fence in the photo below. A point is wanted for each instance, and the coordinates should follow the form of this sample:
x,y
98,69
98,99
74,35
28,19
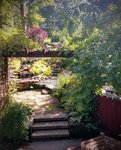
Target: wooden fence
x,y
110,114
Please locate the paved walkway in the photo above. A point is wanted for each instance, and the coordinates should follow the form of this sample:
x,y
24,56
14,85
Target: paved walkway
x,y
44,104
46,145
39,101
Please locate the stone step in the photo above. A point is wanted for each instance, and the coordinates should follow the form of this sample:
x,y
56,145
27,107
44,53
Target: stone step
x,y
55,71
50,117
55,74
50,134
50,125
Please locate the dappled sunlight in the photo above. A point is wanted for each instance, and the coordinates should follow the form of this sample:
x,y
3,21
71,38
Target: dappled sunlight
x,y
37,101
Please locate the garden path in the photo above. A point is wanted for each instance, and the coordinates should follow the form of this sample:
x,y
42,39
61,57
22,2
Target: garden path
x,y
46,104
43,103
40,100
45,145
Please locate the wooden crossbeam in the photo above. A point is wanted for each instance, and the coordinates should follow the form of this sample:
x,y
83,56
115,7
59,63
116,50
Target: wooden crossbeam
x,y
42,54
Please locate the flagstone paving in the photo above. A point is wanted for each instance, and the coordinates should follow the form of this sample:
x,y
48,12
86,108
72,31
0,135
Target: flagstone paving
x,y
43,103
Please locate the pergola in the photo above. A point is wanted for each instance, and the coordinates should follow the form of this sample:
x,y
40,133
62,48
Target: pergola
x,y
4,64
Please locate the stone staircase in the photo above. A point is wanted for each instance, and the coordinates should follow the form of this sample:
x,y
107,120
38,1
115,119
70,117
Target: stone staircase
x,y
50,126
55,72
56,69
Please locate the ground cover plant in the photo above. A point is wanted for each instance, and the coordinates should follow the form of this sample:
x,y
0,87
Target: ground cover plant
x,y
14,123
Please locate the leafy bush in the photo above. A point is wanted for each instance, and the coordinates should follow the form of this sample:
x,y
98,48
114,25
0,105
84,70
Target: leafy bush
x,y
63,36
80,105
14,64
95,65
14,40
7,100
64,79
37,34
41,67
14,122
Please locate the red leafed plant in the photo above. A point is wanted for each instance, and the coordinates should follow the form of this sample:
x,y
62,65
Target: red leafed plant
x,y
37,34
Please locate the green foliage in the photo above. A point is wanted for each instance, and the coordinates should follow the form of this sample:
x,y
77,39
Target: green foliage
x,y
12,86
41,67
15,15
7,100
69,39
14,64
14,122
75,99
95,62
98,59
41,3
62,36
14,40
35,18
56,60
21,11
5,9
64,79
47,41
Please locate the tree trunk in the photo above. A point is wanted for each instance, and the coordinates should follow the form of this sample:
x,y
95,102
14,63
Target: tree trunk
x,y
28,23
22,13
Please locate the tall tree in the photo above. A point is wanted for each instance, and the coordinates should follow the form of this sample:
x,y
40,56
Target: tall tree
x,y
23,12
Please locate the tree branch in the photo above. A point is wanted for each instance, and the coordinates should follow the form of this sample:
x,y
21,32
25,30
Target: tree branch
x,y
13,4
33,2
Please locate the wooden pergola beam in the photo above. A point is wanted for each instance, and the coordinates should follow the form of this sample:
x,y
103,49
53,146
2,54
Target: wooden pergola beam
x,y
42,54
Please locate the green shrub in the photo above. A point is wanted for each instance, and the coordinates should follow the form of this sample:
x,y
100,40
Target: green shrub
x,y
14,122
41,67
14,64
13,40
64,80
7,99
79,106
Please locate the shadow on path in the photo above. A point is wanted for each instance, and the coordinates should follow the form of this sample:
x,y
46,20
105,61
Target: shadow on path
x,y
46,145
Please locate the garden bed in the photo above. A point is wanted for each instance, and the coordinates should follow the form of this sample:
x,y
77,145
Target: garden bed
x,y
79,130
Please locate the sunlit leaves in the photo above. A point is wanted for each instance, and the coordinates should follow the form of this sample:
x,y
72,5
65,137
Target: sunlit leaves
x,y
14,40
35,18
41,67
96,62
5,9
14,64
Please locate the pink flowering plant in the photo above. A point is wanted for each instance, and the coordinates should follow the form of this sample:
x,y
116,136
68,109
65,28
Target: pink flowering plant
x,y
37,34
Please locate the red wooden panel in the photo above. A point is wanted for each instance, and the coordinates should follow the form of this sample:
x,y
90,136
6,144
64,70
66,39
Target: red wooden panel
x,y
110,113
